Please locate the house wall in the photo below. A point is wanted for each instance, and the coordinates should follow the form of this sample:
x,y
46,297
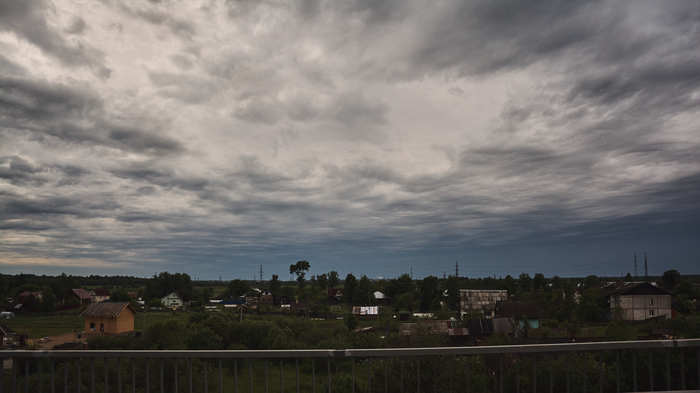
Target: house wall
x,y
641,307
124,323
481,300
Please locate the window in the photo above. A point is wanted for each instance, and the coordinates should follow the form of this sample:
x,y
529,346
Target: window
x,y
651,313
92,326
102,327
651,301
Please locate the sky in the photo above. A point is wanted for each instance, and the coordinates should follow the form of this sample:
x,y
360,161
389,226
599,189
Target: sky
x,y
373,137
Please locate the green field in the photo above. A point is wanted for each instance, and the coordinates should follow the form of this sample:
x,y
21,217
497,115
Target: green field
x,y
41,325
37,325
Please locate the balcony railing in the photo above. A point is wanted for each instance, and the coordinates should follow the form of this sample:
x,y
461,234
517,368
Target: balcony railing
x,y
571,367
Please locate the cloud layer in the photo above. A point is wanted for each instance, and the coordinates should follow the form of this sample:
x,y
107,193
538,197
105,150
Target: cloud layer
x,y
213,136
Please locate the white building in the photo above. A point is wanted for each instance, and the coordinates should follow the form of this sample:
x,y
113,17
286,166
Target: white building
x,y
172,301
639,302
480,301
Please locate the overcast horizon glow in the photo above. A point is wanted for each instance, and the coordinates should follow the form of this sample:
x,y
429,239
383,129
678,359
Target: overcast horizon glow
x,y
210,137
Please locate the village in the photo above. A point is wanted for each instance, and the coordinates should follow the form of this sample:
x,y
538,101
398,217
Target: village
x,y
397,312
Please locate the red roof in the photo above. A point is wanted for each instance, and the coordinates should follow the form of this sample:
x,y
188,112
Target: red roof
x,y
83,294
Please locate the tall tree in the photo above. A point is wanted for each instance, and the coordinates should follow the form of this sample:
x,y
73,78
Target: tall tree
x,y
429,293
349,288
299,269
671,279
333,279
363,293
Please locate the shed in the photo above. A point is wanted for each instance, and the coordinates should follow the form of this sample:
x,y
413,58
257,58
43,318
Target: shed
x,y
108,318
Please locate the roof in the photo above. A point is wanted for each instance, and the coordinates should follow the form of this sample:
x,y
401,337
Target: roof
x,y
380,295
641,289
105,310
518,309
172,294
101,292
82,293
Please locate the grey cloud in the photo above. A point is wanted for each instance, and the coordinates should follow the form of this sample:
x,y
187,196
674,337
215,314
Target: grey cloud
x,y
26,19
181,28
72,114
77,26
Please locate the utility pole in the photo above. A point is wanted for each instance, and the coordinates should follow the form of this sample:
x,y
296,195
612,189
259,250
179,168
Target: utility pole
x,y
261,273
456,269
411,272
635,265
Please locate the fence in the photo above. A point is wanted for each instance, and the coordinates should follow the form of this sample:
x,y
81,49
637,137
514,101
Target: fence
x,y
571,367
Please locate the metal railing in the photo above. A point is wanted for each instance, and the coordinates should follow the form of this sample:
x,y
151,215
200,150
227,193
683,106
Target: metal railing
x,y
571,367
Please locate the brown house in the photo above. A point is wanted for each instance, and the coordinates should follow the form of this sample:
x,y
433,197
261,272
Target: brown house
x,y
108,318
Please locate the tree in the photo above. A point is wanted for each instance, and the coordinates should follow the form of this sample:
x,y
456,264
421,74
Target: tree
x,y
299,269
539,281
452,288
333,279
525,282
349,288
236,288
119,295
165,283
322,280
275,288
429,293
363,293
671,279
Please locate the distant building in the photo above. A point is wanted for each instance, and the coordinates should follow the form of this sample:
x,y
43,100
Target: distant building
x,y
22,297
637,302
100,295
172,301
481,301
84,296
525,313
108,318
365,311
380,297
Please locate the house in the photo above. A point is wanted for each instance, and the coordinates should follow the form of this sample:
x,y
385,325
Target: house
x,y
108,318
172,301
480,301
370,311
637,302
100,295
335,295
380,297
84,296
525,313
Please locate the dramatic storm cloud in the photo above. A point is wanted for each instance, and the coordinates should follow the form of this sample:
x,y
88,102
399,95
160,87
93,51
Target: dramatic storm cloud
x,y
364,136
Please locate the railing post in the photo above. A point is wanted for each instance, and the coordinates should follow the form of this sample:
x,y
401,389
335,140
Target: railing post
x,y
617,371
534,374
189,373
52,366
133,375
148,375
175,375
386,376
668,369
26,375
79,379
296,361
250,375
162,376
634,370
683,384
313,375
651,371
330,379
104,363
500,374
92,377
418,375
353,374
119,375
206,377
267,377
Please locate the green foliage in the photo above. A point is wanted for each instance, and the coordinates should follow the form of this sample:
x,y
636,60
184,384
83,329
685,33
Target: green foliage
x,y
333,279
349,288
165,283
671,279
236,288
119,295
299,269
350,321
429,293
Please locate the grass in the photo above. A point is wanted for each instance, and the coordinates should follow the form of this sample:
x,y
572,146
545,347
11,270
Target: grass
x,y
41,325
37,325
